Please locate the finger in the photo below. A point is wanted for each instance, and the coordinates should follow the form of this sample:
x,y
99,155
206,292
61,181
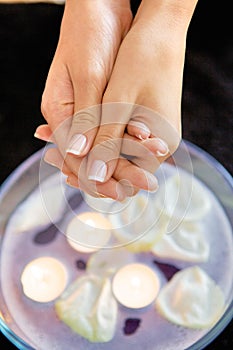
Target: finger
x,y
88,91
54,158
138,178
111,189
128,178
63,97
72,181
83,130
141,148
138,129
71,167
146,154
130,187
57,104
43,132
125,174
168,137
103,158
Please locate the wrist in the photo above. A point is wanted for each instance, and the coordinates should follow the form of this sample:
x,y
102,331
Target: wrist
x,y
176,14
180,7
118,3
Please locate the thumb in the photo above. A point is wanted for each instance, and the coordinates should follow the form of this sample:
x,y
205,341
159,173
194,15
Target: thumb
x,y
85,121
103,158
83,129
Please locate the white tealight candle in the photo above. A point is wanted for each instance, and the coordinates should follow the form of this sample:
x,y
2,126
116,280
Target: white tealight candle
x,y
44,279
88,232
135,285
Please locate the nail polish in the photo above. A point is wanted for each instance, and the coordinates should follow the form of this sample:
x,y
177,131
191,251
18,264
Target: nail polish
x,y
162,148
98,171
41,137
143,132
152,182
77,144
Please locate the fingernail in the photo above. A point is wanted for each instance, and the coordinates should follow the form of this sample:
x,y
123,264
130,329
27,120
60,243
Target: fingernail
x,y
41,137
162,148
77,144
144,130
98,171
43,132
152,182
120,191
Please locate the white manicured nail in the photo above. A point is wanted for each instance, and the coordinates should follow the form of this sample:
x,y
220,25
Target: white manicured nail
x,y
142,131
152,182
98,171
162,148
77,144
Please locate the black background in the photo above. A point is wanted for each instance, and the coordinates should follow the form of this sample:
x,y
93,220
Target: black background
x,y
28,37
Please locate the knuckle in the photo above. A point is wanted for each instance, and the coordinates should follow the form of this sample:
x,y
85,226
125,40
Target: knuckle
x,y
107,149
90,72
86,120
91,77
111,95
111,145
49,108
117,93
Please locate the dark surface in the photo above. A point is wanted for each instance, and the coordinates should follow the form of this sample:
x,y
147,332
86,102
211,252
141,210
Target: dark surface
x,y
28,37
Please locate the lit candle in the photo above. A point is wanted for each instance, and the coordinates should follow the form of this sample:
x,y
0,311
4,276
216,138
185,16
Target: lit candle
x,y
44,279
135,285
88,232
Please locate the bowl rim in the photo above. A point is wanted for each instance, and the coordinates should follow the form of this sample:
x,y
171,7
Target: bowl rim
x,y
228,315
194,150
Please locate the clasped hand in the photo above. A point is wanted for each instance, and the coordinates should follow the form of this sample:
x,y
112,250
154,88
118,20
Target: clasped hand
x,y
113,93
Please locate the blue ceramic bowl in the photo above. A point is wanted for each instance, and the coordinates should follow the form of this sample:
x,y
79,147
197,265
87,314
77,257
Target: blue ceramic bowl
x,y
26,177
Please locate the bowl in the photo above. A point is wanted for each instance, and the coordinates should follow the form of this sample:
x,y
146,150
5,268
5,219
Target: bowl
x,y
29,325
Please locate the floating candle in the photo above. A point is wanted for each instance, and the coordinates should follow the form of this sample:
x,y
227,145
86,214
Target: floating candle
x,y
88,232
44,279
135,285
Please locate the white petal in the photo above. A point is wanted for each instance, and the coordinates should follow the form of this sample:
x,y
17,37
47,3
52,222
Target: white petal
x,y
191,299
41,208
186,243
183,197
89,308
139,225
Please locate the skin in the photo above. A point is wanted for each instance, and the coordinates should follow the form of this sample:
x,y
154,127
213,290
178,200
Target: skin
x,y
107,60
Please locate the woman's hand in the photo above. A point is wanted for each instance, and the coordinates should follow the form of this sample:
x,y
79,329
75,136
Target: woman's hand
x,y
91,33
148,72
130,177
